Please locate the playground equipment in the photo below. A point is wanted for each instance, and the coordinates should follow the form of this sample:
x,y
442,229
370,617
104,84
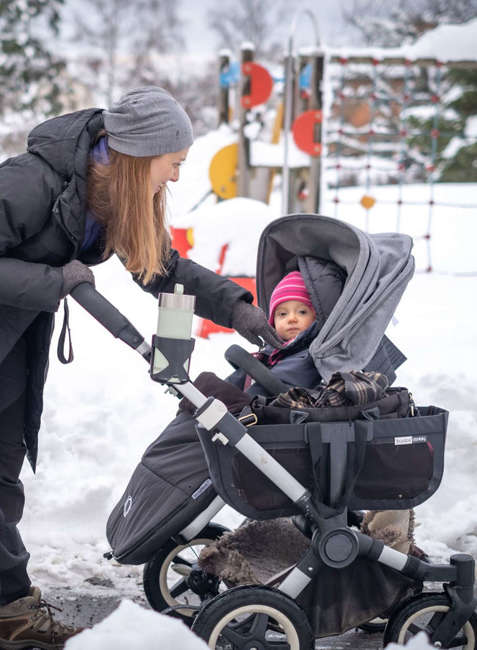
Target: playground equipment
x,y
300,102
360,111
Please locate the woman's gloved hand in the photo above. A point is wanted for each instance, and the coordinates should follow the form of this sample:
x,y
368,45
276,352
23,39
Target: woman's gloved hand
x,y
74,273
252,324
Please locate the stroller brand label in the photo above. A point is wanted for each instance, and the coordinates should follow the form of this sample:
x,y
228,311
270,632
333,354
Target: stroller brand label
x,y
403,440
202,488
409,440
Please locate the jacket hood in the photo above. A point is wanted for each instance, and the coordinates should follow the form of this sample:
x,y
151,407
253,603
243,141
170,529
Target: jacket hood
x,y
60,139
65,143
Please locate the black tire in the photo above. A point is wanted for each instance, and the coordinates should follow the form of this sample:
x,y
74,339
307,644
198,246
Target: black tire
x,y
249,615
163,585
422,612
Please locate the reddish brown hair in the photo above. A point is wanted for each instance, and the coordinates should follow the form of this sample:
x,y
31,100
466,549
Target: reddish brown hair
x,y
121,198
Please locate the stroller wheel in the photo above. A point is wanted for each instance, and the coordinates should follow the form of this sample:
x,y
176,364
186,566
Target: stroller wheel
x,y
171,577
423,614
253,617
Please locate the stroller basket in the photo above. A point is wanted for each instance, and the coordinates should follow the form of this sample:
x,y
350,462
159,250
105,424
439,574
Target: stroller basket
x,y
400,466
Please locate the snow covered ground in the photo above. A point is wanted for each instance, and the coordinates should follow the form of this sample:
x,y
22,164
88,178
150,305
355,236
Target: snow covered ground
x,y
102,410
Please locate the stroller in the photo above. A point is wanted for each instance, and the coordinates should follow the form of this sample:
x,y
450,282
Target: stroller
x,y
301,464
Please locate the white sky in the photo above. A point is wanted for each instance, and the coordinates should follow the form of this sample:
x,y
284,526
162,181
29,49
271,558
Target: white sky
x,y
328,14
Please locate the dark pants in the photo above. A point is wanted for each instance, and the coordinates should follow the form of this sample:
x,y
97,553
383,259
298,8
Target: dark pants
x,y
14,581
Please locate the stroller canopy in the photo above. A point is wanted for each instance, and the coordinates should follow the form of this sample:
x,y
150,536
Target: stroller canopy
x,y
377,268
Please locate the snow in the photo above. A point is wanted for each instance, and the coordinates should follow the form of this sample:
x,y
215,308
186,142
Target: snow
x,y
131,626
266,154
419,642
471,127
195,170
231,219
445,43
454,42
450,222
102,411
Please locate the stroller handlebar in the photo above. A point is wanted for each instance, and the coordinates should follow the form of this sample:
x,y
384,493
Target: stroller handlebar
x,y
240,358
110,317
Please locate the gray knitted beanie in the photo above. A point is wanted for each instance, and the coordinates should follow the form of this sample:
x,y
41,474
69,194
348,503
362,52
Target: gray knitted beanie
x,y
147,121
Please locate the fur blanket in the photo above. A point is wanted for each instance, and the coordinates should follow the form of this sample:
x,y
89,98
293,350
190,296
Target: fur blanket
x,y
259,552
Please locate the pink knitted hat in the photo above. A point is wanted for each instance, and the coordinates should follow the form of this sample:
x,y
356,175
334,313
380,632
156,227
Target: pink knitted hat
x,y
291,287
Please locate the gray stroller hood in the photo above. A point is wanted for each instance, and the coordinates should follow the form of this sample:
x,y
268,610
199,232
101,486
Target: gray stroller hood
x,y
377,267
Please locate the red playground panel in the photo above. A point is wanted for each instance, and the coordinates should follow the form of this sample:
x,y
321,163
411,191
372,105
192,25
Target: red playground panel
x,y
261,84
180,241
207,327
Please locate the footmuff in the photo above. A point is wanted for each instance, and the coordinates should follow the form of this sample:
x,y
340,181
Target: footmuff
x,y
171,484
168,488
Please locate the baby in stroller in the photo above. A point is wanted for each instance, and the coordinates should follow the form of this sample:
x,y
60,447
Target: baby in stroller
x,y
293,316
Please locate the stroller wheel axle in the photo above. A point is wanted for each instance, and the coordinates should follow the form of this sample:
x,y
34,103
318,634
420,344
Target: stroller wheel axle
x,y
338,548
203,584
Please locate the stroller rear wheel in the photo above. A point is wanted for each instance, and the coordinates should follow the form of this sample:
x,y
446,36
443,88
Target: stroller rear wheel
x,y
423,614
253,617
172,579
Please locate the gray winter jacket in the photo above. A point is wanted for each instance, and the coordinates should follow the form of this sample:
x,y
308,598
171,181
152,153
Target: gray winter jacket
x,y
42,221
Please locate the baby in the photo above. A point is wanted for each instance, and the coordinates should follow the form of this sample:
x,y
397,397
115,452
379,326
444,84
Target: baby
x,y
294,318
291,311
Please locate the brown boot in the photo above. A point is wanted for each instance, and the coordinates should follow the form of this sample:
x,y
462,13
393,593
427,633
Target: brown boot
x,y
28,622
394,527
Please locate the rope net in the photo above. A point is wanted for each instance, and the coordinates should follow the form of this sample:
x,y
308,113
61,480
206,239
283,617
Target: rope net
x,y
390,135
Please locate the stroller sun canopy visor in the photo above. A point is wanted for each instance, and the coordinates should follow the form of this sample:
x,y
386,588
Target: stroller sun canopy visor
x,y
377,267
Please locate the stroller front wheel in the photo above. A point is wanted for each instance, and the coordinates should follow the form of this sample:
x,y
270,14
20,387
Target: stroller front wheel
x,y
253,617
423,614
166,576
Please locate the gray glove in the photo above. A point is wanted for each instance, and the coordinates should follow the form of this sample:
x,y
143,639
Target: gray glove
x,y
252,324
74,273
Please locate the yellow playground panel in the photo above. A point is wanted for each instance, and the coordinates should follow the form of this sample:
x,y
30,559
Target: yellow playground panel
x,y
223,172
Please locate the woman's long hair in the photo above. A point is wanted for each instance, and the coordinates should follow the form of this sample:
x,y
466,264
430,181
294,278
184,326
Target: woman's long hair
x,y
121,197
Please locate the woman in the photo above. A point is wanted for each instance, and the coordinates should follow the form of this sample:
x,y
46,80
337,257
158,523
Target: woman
x,y
92,183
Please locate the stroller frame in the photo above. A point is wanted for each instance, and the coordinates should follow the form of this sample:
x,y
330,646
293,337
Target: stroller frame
x,y
333,543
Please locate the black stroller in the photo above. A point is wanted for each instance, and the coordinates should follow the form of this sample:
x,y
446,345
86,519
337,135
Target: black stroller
x,y
306,465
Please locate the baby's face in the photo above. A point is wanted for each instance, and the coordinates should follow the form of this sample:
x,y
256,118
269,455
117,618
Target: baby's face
x,y
291,318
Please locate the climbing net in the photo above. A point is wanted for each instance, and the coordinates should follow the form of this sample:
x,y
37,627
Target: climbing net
x,y
390,131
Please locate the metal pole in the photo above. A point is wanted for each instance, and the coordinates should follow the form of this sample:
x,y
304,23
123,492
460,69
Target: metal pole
x,y
224,88
243,185
287,127
288,101
316,103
